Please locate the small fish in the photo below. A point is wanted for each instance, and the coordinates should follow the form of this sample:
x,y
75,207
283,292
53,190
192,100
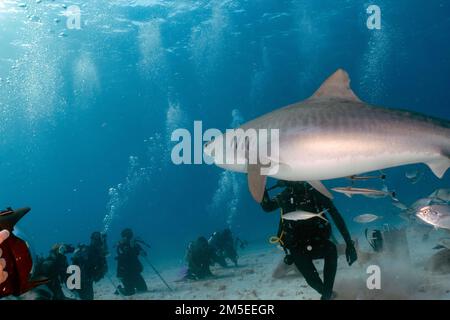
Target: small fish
x,y
363,178
371,193
303,215
366,218
441,194
423,202
444,243
414,176
436,215
396,203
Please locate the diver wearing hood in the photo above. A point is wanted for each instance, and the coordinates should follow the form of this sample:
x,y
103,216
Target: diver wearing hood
x,y
129,268
223,244
54,268
308,240
92,261
199,256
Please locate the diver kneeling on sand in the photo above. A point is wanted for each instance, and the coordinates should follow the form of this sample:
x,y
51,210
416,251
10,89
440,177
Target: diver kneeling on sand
x,y
92,261
308,238
199,256
54,268
129,268
223,244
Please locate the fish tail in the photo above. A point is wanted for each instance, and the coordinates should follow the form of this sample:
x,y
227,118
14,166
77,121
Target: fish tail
x,y
320,215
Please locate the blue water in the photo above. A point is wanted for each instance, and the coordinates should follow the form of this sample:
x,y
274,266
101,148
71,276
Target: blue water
x,y
86,115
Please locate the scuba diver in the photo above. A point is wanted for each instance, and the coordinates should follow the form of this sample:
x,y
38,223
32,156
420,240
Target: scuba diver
x,y
224,247
54,268
4,234
376,240
306,240
129,268
199,256
92,262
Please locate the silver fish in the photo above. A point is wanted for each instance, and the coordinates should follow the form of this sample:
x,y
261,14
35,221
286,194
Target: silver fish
x,y
364,178
366,218
436,215
441,194
371,193
396,203
333,134
303,215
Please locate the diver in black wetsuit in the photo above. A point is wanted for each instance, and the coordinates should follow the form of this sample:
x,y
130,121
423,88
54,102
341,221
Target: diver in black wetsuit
x,y
199,256
223,245
92,261
307,240
129,268
54,268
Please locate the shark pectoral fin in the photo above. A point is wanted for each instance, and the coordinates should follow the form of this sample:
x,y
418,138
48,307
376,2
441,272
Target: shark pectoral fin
x,y
256,181
321,188
348,194
439,166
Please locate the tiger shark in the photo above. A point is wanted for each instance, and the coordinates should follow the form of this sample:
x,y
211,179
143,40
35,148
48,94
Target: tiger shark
x,y
334,134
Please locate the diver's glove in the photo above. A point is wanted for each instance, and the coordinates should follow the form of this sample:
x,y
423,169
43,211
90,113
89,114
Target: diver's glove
x,y
350,253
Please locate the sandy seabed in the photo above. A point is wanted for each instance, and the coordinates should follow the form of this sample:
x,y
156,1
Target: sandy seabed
x,y
252,279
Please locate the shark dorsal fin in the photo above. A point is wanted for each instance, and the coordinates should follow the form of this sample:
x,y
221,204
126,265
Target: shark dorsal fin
x,y
336,86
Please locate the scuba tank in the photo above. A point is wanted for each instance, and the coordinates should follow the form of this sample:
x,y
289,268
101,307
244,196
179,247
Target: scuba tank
x,y
376,240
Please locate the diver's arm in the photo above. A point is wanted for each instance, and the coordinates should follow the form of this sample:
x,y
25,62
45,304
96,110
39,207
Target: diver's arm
x,y
268,204
4,234
350,251
325,203
340,223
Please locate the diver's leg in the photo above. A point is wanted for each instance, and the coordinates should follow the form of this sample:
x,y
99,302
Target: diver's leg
x,y
90,290
57,291
232,254
329,269
128,288
140,284
305,265
221,260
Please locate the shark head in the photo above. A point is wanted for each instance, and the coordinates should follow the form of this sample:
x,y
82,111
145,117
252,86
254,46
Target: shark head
x,y
228,151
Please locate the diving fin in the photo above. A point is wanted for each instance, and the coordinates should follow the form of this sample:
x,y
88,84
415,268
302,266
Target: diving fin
x,y
318,185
